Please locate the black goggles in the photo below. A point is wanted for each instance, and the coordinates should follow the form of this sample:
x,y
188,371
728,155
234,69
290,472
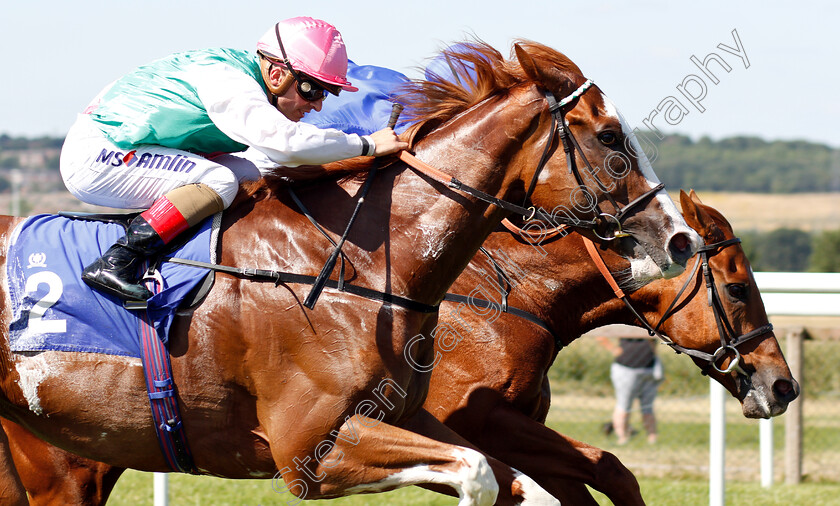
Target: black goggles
x,y
308,89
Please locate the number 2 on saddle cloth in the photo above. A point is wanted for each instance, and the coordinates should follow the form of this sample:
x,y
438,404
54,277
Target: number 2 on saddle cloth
x,y
53,310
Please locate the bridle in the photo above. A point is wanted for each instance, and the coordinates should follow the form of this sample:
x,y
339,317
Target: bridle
x,y
605,226
570,145
729,340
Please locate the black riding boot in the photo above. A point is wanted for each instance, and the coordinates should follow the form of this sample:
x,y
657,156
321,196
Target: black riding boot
x,y
115,272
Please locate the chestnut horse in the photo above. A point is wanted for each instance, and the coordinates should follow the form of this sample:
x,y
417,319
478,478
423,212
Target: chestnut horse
x,y
492,388
494,391
266,385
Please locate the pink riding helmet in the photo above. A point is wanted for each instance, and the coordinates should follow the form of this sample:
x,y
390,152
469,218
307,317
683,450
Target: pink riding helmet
x,y
313,47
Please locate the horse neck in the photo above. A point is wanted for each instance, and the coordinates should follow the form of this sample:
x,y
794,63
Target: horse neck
x,y
556,281
610,309
413,236
448,227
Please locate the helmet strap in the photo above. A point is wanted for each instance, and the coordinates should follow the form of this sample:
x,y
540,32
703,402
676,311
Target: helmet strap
x,y
286,60
284,85
280,89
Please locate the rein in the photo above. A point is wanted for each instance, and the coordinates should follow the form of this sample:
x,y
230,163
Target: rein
x,y
278,277
442,177
504,279
570,147
570,144
729,341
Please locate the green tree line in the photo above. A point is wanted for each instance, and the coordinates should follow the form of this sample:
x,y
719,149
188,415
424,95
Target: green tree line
x,y
12,149
9,143
743,164
793,250
734,164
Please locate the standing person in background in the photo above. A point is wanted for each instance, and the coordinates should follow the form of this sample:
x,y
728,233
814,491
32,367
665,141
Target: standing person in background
x,y
636,372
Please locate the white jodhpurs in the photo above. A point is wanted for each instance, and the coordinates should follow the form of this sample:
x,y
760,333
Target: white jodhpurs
x,y
98,172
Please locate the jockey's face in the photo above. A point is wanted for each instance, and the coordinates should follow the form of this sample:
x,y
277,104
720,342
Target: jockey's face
x,y
293,106
290,102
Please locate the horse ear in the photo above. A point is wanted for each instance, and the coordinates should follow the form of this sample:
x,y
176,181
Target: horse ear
x,y
693,212
529,66
694,196
685,201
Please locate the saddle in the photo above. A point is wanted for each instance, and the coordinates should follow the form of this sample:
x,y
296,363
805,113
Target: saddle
x,y
52,309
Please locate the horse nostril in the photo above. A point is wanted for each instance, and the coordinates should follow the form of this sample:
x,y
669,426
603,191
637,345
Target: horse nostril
x,y
785,390
679,248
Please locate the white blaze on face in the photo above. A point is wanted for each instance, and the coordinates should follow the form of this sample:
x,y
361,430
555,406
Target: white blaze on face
x,y
676,222
642,161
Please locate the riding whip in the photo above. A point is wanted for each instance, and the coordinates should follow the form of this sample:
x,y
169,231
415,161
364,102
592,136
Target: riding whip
x,y
324,275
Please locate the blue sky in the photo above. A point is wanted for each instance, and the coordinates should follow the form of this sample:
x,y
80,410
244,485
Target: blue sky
x,y
58,55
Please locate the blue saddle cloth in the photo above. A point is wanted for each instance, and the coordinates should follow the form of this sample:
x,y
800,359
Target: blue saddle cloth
x,y
52,309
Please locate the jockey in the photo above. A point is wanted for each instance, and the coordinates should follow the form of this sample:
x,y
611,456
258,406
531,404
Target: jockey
x,y
145,141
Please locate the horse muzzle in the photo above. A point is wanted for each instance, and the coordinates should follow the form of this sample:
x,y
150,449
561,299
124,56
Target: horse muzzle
x,y
766,397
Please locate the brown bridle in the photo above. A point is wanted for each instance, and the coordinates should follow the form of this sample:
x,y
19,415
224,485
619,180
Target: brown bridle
x,y
729,341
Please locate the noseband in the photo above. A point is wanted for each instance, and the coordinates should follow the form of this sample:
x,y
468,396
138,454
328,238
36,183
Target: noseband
x,y
729,341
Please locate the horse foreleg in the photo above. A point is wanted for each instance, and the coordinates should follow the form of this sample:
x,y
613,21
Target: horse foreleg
x,y
558,463
514,486
54,476
368,456
11,486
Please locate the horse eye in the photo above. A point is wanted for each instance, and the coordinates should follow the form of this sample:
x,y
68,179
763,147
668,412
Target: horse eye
x,y
737,291
607,138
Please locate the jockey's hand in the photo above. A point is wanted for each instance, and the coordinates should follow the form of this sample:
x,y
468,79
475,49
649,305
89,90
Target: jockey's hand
x,y
387,142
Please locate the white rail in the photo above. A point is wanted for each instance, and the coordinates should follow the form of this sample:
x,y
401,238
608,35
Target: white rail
x,y
800,293
784,294
161,484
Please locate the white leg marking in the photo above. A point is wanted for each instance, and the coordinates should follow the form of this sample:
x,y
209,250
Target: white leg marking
x,y
474,480
533,494
479,483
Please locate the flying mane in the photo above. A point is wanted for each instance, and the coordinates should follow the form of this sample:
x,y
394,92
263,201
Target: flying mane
x,y
478,72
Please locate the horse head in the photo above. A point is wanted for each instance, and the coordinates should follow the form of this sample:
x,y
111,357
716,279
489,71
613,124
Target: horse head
x,y
616,183
718,318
